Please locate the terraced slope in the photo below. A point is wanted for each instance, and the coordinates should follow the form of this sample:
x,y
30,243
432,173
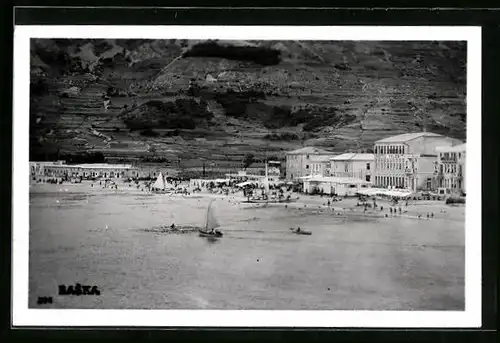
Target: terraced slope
x,y
172,99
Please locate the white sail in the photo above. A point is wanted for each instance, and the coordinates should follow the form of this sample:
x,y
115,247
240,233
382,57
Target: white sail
x,y
211,221
266,183
159,183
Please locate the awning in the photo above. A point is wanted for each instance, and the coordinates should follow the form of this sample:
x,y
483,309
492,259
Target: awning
x,y
246,183
384,192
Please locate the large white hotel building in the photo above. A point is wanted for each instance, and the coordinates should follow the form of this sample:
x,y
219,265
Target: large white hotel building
x,y
409,160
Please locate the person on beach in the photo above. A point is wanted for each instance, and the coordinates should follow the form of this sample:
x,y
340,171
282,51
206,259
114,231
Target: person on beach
x,y
419,216
390,209
400,210
432,214
298,228
427,215
381,208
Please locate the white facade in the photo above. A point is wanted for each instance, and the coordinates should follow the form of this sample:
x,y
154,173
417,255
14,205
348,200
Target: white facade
x,y
319,165
341,186
408,160
352,165
93,170
302,162
450,173
38,168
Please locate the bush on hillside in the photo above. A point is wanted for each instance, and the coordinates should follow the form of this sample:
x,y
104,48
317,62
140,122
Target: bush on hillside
x,y
285,136
40,87
173,133
259,55
455,200
181,114
101,46
85,157
149,133
134,124
181,122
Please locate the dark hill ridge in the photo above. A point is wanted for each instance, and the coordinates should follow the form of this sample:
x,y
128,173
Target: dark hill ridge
x,y
222,99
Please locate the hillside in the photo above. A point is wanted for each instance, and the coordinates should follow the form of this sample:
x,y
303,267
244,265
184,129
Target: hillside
x,y
171,100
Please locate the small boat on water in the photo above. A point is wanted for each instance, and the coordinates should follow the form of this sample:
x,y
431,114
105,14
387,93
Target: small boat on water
x,y
211,224
300,232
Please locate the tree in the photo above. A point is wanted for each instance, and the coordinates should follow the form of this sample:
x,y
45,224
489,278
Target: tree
x,y
248,160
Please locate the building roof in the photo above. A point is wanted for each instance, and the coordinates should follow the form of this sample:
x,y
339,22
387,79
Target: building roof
x,y
49,163
102,166
456,148
310,150
353,157
320,158
90,165
407,137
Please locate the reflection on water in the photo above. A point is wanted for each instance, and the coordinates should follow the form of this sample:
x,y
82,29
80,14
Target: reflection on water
x,y
121,243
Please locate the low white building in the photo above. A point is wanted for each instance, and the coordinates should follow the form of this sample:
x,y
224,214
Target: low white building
x,y
341,186
90,170
353,165
38,168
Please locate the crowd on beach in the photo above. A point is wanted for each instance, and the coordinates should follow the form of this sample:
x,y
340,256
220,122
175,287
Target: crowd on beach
x,y
361,204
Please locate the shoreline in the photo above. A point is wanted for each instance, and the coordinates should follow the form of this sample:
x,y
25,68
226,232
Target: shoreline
x,y
347,206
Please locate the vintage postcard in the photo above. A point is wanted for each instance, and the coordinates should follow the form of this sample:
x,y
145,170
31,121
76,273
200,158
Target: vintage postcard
x,y
266,176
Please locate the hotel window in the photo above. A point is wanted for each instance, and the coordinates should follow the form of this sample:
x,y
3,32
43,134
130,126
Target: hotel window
x,y
307,166
368,166
307,156
368,178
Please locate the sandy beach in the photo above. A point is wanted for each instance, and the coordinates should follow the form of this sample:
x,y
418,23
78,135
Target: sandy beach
x,y
354,260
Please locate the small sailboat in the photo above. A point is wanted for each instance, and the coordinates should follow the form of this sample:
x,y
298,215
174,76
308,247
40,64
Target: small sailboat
x,y
160,186
211,224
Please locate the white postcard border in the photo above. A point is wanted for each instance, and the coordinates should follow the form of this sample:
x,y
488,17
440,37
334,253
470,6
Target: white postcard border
x,y
23,316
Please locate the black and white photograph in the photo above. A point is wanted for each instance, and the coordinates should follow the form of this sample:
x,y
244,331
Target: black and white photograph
x,y
218,171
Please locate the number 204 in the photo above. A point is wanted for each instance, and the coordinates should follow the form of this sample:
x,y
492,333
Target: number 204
x,y
44,300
